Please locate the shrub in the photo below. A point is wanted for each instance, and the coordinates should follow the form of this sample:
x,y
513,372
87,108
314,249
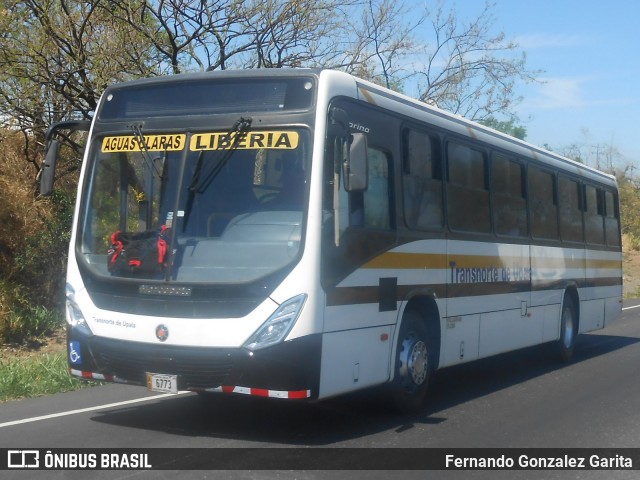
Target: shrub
x,y
20,319
42,262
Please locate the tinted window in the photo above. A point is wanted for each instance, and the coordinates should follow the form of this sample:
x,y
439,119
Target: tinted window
x,y
570,212
542,204
509,204
422,181
612,219
594,215
376,198
467,194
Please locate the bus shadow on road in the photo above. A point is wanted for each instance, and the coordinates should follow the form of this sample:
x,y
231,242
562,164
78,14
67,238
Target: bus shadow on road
x,y
349,417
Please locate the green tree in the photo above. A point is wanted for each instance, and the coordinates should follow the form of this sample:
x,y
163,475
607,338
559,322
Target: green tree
x,y
506,126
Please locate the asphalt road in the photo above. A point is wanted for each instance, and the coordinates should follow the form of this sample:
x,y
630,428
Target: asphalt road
x,y
524,399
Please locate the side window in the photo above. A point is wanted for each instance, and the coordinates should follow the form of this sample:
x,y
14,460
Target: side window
x,y
570,210
467,193
594,215
542,204
371,209
612,219
422,181
509,203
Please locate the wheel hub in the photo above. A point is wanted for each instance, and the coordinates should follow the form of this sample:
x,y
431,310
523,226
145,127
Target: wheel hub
x,y
568,328
414,361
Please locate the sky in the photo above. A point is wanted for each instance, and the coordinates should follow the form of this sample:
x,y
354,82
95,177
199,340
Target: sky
x,y
589,54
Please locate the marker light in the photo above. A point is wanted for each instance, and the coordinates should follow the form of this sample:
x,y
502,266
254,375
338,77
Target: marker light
x,y
75,318
276,328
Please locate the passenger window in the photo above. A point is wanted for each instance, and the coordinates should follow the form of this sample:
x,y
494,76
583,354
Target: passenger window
x,y
542,204
594,215
612,219
467,194
371,209
422,181
509,203
570,211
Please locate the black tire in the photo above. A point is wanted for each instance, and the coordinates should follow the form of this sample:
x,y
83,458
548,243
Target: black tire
x,y
413,364
568,329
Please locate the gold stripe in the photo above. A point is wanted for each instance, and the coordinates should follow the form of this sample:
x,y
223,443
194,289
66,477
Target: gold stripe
x,y
367,95
472,133
408,260
399,260
552,262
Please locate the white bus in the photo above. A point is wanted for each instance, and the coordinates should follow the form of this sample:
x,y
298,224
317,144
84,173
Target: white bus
x,y
301,234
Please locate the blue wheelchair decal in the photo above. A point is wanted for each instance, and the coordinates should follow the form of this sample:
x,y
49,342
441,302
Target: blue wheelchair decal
x,y
74,353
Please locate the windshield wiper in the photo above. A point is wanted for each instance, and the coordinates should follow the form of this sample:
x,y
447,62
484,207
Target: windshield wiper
x,y
139,136
200,185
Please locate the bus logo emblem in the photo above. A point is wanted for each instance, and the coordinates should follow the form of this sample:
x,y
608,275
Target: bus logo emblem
x,y
162,332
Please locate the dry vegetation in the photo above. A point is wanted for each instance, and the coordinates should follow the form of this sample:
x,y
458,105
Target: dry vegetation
x,y
18,208
29,246
631,269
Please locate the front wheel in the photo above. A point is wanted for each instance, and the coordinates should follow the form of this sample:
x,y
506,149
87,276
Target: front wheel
x,y
413,364
568,329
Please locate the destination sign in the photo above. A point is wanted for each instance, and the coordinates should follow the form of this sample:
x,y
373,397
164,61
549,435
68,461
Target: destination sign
x,y
258,140
154,143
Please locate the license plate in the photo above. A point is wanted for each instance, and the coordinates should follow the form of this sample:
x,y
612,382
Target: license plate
x,y
158,382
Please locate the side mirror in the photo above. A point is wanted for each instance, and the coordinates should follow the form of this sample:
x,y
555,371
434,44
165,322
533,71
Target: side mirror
x,y
48,172
356,165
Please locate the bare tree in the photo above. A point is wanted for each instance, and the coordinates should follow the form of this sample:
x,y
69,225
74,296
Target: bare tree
x,y
57,56
383,40
468,69
433,55
223,34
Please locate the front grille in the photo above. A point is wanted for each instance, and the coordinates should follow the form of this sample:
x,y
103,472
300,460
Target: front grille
x,y
196,367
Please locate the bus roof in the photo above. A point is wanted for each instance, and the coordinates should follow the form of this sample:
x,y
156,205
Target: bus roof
x,y
419,110
400,103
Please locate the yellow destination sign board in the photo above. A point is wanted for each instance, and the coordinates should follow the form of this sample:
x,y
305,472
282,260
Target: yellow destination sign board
x,y
155,143
278,140
259,140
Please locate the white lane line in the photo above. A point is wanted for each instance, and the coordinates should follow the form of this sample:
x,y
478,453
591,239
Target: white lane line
x,y
629,308
89,409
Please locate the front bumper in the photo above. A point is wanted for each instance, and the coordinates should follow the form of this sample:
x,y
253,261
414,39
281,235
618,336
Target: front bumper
x,y
287,370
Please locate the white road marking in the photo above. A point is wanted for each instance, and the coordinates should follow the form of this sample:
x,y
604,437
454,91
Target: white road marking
x,y
629,308
88,409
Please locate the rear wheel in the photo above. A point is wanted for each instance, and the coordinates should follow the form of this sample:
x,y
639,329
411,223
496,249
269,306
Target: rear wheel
x,y
413,364
568,329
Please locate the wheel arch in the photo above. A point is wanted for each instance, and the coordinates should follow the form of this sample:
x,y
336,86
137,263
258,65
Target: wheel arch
x,y
424,303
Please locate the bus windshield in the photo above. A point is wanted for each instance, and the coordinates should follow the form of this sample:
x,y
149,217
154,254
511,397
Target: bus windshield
x,y
218,207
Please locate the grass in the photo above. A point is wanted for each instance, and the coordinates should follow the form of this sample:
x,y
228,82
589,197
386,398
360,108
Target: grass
x,y
36,375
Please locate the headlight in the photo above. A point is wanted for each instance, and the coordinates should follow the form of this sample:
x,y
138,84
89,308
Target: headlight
x,y
277,327
75,318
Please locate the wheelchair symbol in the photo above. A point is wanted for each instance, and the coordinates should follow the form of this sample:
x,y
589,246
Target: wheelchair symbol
x,y
74,353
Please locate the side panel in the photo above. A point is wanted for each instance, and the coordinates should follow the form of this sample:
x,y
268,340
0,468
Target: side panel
x,y
460,340
495,279
602,291
355,359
